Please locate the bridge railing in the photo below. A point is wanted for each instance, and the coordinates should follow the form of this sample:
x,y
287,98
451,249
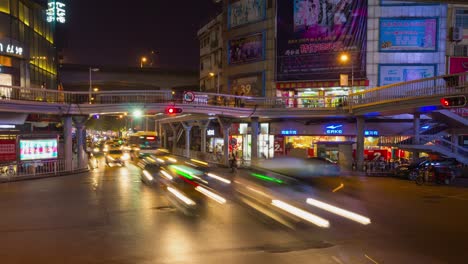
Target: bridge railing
x,y
436,86
440,85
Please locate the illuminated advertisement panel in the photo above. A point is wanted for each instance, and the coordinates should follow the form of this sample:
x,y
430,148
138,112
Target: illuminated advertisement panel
x,y
395,73
311,35
38,149
246,49
241,12
408,34
251,85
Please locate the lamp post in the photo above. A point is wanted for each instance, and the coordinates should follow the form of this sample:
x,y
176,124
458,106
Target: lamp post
x,y
345,58
212,74
143,60
91,69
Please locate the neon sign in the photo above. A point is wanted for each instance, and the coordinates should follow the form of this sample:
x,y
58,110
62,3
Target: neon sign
x,y
56,12
11,49
370,133
288,132
334,130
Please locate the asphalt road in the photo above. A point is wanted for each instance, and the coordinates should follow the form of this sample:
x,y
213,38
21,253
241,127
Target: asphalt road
x,y
109,216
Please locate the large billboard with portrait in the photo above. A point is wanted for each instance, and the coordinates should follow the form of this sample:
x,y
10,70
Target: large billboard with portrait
x,y
241,12
251,85
408,34
246,49
395,73
38,149
312,33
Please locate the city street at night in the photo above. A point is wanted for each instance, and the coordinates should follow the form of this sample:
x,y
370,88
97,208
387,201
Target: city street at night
x,y
109,216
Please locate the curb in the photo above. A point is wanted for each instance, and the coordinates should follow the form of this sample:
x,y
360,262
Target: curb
x,y
25,178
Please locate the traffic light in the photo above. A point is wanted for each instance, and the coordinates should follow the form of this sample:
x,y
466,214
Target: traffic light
x,y
453,101
173,110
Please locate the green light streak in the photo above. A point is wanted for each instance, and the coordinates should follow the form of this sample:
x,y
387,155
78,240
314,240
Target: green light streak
x,y
186,175
266,178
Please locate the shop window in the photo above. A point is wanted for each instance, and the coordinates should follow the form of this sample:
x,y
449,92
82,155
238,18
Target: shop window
x,y
14,7
5,6
460,51
5,61
461,18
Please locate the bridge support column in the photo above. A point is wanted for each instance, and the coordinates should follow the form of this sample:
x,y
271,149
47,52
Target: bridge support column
x,y
174,138
187,127
416,127
67,142
226,126
360,124
254,145
203,129
81,140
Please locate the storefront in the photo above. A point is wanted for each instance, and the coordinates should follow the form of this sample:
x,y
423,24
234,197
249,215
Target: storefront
x,y
241,141
317,94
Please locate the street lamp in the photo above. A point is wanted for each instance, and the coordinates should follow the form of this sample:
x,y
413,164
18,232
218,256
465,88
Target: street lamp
x,y
212,74
142,61
96,89
91,69
345,58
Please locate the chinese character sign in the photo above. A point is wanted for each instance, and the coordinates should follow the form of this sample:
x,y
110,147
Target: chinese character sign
x,y
7,150
37,149
11,49
403,34
56,12
312,33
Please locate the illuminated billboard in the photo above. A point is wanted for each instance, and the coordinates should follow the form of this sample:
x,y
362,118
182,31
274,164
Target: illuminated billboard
x,y
311,34
246,49
38,149
408,34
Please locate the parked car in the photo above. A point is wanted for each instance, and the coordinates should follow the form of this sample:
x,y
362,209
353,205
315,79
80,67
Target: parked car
x,y
411,171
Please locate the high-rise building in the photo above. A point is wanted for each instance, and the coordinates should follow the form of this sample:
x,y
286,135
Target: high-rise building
x,y
27,51
211,54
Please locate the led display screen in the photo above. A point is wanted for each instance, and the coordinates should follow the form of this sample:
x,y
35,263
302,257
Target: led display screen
x,y
38,149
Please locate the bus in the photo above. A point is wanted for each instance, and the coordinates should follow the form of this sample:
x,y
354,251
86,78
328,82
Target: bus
x,y
145,142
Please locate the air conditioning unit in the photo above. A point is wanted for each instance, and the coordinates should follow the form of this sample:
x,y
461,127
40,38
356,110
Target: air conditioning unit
x,y
457,33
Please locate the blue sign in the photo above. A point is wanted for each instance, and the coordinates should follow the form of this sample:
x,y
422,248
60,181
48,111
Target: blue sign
x,y
334,130
408,34
395,73
371,133
288,132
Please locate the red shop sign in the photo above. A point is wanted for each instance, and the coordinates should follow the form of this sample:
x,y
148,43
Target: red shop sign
x,y
7,150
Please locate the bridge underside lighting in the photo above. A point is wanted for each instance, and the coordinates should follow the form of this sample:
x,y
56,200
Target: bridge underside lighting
x,y
428,108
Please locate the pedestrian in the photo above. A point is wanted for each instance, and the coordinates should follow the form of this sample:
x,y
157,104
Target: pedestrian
x,y
233,162
236,99
241,102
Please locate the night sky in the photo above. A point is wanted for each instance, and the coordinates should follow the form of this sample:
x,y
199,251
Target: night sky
x,y
117,32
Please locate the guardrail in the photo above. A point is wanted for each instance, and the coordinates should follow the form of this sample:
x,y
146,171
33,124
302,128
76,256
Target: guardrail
x,y
436,86
429,87
35,169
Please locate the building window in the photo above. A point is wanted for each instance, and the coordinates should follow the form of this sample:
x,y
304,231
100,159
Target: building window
x,y
5,6
461,18
201,65
460,51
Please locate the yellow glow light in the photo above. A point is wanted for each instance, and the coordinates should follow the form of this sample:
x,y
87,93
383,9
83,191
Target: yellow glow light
x,y
182,197
316,220
218,178
211,195
341,212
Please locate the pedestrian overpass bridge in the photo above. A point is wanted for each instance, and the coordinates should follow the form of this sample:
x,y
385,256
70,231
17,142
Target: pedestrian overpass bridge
x,y
407,97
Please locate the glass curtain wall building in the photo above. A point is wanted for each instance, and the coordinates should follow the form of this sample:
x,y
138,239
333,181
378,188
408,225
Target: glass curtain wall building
x,y
27,51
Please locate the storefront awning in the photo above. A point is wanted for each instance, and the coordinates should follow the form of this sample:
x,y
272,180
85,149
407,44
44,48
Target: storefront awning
x,y
317,84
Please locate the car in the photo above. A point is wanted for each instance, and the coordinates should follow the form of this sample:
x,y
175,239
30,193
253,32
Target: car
x,y
187,187
301,167
116,156
411,171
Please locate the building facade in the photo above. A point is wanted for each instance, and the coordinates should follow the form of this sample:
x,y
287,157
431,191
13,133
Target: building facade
x,y
294,48
211,53
457,40
27,52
